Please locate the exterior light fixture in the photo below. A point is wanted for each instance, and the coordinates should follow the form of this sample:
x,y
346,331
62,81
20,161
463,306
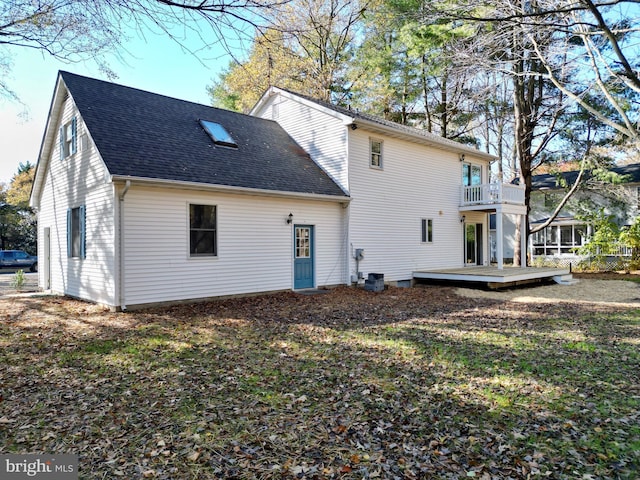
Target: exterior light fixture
x,y
290,218
462,219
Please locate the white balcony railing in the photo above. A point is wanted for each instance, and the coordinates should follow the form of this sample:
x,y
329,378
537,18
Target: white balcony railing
x,y
492,194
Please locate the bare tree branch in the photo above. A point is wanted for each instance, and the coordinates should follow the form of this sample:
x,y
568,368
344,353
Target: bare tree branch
x,y
562,202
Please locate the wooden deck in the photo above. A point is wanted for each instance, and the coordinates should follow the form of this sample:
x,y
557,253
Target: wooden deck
x,y
495,278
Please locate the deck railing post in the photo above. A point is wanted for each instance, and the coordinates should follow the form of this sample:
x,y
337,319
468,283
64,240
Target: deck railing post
x,y
499,247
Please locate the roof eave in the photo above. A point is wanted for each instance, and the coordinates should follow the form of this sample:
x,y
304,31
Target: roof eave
x,y
418,137
48,136
272,91
209,187
348,120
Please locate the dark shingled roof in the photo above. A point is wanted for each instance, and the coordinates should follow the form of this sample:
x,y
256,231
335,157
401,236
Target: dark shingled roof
x,y
550,180
143,134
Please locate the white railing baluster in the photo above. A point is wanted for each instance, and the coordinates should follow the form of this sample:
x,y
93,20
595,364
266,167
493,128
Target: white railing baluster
x,y
492,193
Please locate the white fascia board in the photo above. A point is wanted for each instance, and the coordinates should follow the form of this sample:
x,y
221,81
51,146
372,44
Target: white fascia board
x,y
48,138
207,187
419,137
346,119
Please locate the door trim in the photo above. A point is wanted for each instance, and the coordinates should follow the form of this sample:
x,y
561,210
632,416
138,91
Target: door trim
x,y
478,244
46,265
301,263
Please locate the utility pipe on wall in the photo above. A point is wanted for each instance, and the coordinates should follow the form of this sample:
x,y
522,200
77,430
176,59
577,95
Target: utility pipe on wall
x,y
123,305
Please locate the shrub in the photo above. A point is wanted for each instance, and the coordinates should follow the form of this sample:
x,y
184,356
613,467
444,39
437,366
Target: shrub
x,y
18,280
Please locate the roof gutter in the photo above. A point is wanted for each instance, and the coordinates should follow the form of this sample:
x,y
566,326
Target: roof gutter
x,y
437,142
121,292
158,182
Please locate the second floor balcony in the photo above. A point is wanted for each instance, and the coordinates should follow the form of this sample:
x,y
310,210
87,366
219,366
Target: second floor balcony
x,y
492,194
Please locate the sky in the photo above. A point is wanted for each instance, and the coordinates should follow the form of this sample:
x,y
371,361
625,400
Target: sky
x,y
156,64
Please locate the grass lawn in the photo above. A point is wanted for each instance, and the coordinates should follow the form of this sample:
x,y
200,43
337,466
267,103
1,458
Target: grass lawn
x,y
407,383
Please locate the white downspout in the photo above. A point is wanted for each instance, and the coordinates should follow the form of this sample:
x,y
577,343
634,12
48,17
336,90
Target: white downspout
x,y
346,218
123,305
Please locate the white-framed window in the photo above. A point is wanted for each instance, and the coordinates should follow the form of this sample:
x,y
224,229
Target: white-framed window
x,y
427,230
303,242
471,174
375,153
203,230
558,239
76,232
84,142
68,140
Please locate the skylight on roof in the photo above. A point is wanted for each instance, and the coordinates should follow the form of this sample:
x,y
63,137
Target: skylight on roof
x,y
218,134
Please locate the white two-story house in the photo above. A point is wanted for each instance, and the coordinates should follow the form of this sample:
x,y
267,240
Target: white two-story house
x,y
145,199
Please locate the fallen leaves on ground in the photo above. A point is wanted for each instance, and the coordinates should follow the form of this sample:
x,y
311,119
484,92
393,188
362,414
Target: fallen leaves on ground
x,y
406,383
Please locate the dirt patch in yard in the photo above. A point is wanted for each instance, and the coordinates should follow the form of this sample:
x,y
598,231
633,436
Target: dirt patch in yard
x,y
590,289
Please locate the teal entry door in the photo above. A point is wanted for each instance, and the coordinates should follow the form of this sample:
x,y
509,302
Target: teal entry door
x,y
303,261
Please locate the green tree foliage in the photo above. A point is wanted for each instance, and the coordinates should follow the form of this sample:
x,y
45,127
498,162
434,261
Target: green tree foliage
x,y
307,48
270,62
605,239
448,90
405,70
384,77
17,219
630,237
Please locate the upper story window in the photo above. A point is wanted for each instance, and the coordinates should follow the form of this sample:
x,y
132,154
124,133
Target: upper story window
x,y
68,140
202,231
218,134
84,142
375,153
471,174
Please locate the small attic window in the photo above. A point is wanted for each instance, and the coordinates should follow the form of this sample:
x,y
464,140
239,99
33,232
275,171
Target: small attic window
x,y
218,134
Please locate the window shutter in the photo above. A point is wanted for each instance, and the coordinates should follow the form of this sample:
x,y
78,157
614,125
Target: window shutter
x,y
74,137
69,239
83,236
62,143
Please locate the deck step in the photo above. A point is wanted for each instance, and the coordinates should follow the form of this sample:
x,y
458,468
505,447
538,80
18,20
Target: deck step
x,y
565,279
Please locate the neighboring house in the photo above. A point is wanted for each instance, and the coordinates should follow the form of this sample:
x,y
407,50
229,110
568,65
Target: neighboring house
x,y
145,199
566,233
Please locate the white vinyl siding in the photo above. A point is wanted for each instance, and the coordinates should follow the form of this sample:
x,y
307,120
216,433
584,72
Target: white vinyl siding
x,y
81,180
254,245
419,182
321,135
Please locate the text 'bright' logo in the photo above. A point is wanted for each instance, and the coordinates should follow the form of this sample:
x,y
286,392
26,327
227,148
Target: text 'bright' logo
x,y
18,467
30,468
